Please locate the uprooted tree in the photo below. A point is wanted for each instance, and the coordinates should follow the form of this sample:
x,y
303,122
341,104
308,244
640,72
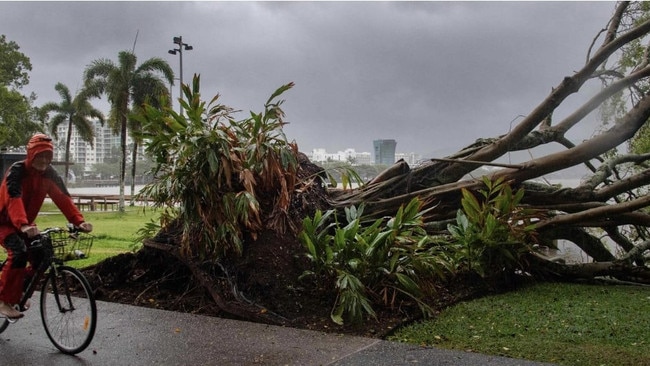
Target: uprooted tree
x,y
222,182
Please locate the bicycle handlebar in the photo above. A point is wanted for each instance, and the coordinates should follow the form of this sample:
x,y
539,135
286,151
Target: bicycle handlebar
x,y
70,228
46,234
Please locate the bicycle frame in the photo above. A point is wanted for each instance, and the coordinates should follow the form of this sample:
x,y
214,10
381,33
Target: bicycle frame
x,y
48,262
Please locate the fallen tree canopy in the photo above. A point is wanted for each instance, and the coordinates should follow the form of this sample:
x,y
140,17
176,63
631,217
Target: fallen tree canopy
x,y
606,216
248,180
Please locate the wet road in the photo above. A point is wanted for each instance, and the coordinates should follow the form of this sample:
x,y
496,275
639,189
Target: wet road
x,y
129,335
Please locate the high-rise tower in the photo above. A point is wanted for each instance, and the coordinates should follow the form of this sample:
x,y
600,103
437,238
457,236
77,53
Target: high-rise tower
x,y
384,151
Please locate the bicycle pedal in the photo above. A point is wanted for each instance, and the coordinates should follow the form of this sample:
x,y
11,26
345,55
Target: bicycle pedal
x,y
12,320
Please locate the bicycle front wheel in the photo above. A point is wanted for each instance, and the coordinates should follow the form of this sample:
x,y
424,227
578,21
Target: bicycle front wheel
x,y
68,310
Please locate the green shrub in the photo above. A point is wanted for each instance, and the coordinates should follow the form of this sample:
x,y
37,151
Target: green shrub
x,y
385,262
491,235
218,177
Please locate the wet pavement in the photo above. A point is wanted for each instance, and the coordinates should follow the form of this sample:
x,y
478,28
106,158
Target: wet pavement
x,y
130,335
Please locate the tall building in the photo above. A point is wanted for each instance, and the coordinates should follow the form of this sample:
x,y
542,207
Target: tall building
x,y
81,152
384,151
105,146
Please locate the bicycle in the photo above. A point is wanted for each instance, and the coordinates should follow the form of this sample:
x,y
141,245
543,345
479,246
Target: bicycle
x,y
67,303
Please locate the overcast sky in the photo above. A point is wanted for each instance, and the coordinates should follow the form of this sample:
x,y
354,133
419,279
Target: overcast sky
x,y
432,75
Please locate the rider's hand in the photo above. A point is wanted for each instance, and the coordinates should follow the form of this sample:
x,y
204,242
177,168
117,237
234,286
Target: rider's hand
x,y
86,227
30,230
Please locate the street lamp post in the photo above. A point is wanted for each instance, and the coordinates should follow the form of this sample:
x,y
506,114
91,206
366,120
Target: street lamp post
x,y
181,46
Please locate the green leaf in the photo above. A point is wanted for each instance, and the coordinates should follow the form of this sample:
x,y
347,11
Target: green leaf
x,y
470,205
337,315
279,91
408,285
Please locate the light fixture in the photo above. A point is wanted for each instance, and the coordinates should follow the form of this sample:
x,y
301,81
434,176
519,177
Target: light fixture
x,y
179,41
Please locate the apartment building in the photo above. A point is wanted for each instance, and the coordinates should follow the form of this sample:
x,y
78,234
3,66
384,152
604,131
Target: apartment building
x,y
384,151
105,147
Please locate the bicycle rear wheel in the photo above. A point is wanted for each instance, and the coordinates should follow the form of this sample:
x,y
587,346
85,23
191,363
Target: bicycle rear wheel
x,y
68,310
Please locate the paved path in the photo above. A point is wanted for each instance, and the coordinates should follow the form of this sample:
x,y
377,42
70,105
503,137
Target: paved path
x,y
129,335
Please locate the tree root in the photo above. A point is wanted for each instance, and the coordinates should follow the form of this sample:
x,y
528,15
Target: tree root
x,y
622,270
240,308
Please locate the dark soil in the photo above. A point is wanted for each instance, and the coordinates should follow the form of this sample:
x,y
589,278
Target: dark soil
x,y
268,277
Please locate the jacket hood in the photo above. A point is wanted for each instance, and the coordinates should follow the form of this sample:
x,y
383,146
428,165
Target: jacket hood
x,y
37,144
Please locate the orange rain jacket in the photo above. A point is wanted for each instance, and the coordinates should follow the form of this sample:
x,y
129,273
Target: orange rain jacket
x,y
22,193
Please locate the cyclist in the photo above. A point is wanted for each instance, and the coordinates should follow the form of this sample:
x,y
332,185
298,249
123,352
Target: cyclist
x,y
22,192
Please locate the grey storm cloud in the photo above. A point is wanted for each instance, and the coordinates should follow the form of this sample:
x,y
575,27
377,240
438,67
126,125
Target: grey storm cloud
x,y
432,75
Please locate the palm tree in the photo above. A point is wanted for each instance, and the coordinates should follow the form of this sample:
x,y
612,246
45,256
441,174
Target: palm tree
x,y
126,84
149,91
77,113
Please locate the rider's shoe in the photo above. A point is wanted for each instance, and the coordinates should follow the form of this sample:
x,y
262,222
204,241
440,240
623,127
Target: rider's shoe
x,y
9,312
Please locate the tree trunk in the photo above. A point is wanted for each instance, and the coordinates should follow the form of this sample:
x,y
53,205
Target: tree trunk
x,y
123,124
134,156
67,150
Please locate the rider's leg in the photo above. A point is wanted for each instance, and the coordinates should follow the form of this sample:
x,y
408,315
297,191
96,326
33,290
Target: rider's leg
x,y
35,256
13,273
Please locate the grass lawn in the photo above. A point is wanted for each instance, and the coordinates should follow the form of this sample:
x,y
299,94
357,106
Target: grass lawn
x,y
114,232
566,324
